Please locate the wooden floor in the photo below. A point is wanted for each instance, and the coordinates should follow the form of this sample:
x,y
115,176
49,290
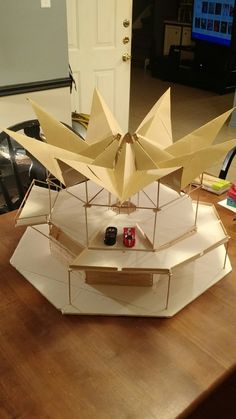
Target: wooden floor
x,y
71,367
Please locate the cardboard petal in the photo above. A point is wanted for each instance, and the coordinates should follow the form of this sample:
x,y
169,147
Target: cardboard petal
x,y
195,163
157,124
200,137
102,123
56,133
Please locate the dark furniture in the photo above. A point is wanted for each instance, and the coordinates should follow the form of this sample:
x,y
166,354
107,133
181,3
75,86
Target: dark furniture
x,y
206,66
18,167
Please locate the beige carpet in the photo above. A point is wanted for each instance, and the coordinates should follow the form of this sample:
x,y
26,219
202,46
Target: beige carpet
x,y
191,108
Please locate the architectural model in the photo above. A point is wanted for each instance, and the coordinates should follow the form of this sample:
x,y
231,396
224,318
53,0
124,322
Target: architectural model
x,y
138,182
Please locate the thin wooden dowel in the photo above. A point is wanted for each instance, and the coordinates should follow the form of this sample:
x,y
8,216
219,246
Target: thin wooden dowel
x,y
226,254
168,290
69,286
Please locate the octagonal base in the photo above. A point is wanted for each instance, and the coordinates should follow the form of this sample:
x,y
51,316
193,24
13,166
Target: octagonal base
x,y
169,293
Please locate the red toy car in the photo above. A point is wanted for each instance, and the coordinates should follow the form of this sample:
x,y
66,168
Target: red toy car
x,y
129,236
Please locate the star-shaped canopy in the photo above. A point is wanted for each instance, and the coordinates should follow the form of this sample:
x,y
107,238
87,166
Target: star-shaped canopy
x,y
125,164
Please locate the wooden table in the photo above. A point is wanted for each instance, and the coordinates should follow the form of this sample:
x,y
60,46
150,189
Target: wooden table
x,y
74,367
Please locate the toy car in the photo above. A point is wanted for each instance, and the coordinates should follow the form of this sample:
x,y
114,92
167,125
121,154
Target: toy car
x,y
129,236
110,236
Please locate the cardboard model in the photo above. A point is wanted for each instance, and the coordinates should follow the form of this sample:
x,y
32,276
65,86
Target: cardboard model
x,y
121,180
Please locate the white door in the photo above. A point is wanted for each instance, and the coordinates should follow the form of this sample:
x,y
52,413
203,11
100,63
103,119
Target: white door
x,y
99,34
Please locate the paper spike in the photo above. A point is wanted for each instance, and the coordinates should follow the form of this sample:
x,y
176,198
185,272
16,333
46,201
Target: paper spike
x,y
102,123
200,137
81,167
157,154
107,158
142,160
109,178
56,133
125,166
70,175
95,149
140,180
156,126
99,175
173,180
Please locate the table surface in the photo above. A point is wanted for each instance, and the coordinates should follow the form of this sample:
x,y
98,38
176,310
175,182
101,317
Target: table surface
x,y
60,367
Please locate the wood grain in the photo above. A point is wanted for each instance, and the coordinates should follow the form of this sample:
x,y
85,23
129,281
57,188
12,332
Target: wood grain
x,y
74,367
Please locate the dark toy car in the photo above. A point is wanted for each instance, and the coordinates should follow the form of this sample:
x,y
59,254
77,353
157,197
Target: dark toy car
x,y
110,236
129,236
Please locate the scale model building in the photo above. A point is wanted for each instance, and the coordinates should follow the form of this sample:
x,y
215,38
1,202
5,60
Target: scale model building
x,y
115,232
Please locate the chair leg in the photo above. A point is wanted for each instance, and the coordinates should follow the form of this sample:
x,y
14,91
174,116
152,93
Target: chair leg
x,y
226,163
6,195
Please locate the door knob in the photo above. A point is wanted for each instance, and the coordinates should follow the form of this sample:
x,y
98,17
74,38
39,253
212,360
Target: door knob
x,y
126,57
126,40
126,23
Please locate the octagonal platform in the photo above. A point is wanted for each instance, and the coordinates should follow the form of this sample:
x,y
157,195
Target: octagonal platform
x,y
184,257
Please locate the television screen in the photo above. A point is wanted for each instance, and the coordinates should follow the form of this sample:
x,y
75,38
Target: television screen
x,y
213,21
